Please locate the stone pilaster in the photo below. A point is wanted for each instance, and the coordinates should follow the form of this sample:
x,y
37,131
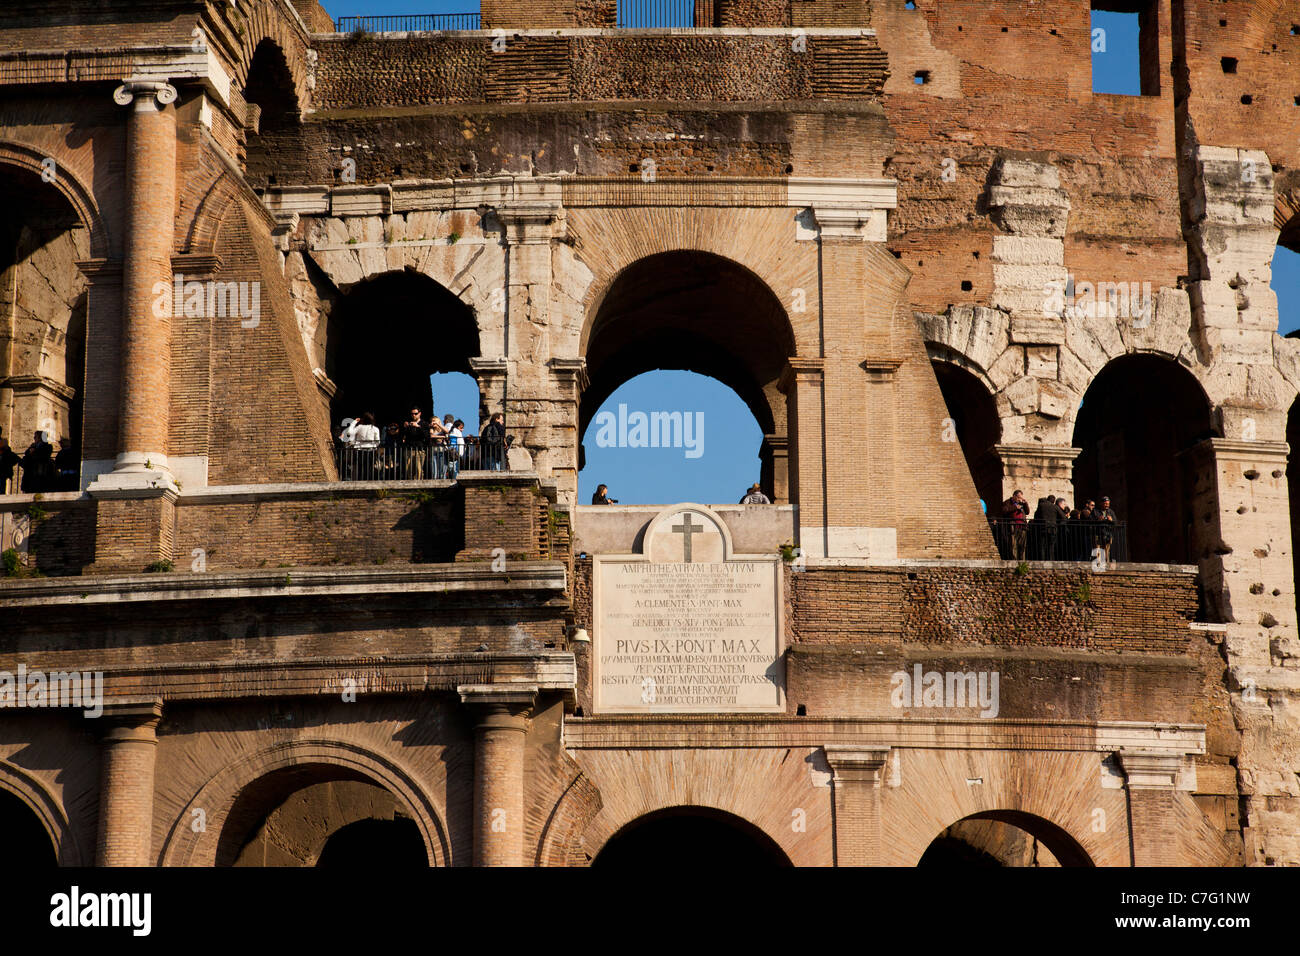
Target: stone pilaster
x,y
857,776
1030,282
141,458
803,384
1037,470
1151,778
774,457
535,412
501,715
126,783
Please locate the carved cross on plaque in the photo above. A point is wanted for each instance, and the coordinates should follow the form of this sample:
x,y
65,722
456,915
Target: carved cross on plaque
x,y
686,529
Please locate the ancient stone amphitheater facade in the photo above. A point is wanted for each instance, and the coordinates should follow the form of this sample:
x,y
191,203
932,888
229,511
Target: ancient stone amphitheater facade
x,y
931,261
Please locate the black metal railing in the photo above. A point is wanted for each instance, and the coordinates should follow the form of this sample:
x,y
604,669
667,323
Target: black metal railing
x,y
43,479
633,14
408,23
401,461
1065,541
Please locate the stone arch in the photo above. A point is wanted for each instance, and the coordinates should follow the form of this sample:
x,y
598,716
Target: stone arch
x,y
46,808
69,182
635,783
969,396
350,250
218,797
657,836
269,20
1064,850
731,324
937,788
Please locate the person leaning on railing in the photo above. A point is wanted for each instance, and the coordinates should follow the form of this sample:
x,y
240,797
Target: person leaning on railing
x,y
492,443
365,442
8,459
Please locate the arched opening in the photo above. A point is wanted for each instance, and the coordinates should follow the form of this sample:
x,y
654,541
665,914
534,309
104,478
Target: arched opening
x,y
1139,419
672,436
375,844
1004,838
27,845
273,121
42,332
975,420
312,815
686,836
694,312
385,338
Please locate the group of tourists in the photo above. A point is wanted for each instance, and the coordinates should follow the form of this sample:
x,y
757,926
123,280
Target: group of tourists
x,y
418,448
42,468
1056,531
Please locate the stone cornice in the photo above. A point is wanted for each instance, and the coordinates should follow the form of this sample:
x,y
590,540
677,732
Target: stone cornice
x,y
743,730
134,687
547,577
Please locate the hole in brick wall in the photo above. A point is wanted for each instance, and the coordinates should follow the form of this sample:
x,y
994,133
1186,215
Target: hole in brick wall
x,y
1247,100
466,168
1004,29
397,171
633,167
270,179
1223,23
897,254
1295,30
789,167
577,711
1229,64
801,711
921,78
966,285
1055,34
1297,101
910,5
976,254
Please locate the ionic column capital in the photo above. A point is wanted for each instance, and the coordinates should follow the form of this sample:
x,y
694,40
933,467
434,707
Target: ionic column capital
x,y
147,95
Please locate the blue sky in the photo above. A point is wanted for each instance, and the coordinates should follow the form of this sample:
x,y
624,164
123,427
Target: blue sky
x,y
729,459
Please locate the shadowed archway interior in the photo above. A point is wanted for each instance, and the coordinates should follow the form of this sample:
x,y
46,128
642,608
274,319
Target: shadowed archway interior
x,y
319,814
975,420
25,840
695,312
694,835
1004,838
386,336
1138,420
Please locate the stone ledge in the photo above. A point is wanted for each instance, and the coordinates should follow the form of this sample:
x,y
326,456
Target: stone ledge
x,y
748,731
546,576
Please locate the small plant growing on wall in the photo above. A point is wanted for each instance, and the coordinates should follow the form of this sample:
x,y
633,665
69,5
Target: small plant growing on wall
x,y
160,567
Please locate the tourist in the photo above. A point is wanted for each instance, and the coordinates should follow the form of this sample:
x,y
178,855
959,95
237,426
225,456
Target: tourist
x,y
414,432
1046,518
437,438
8,459
67,477
1014,512
455,446
365,442
38,465
392,451
755,496
1105,527
601,496
492,442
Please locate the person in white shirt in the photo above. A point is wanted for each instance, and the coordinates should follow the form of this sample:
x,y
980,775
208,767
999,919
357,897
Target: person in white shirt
x,y
347,439
456,443
365,441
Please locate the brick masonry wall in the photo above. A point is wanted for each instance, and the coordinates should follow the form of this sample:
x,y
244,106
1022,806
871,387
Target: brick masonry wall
x,y
344,529
355,73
